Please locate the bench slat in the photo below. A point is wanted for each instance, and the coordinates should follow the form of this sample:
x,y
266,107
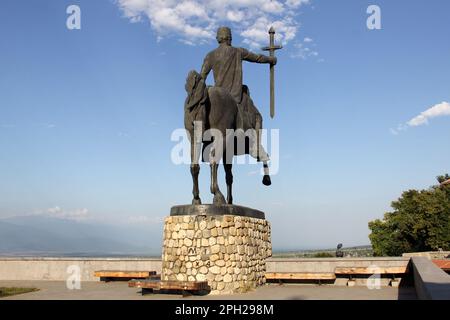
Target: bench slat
x,y
300,276
169,285
443,264
123,274
363,270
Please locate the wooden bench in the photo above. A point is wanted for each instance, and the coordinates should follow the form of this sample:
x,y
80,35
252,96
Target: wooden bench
x,y
370,271
356,271
443,264
298,276
111,275
155,285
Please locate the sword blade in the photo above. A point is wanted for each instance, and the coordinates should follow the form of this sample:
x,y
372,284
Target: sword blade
x,y
272,91
272,72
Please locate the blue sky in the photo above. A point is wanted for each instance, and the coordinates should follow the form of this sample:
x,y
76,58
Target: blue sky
x,y
86,115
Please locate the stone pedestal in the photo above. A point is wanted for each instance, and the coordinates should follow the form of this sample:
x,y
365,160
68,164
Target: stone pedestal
x,y
224,245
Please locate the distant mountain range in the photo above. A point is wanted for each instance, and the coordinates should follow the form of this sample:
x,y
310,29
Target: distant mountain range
x,y
353,251
46,236
38,235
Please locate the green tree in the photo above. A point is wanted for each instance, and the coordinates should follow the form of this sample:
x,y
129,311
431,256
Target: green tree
x,y
323,255
443,178
420,222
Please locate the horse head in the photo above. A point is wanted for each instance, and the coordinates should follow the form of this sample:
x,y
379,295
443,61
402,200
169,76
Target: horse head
x,y
196,89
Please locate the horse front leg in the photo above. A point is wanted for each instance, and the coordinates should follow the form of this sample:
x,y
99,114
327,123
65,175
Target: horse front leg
x,y
219,199
229,180
266,179
195,170
264,157
258,152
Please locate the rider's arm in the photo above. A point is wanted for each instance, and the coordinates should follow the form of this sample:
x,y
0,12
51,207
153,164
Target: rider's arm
x,y
206,68
258,58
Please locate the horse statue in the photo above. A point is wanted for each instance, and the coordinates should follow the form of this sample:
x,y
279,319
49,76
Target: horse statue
x,y
210,113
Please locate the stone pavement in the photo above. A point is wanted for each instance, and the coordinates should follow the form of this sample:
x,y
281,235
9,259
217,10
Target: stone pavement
x,y
120,291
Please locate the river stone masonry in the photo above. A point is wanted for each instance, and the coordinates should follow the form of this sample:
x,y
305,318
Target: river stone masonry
x,y
228,251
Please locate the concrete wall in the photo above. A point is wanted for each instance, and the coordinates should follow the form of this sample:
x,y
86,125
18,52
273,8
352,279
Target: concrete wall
x,y
429,254
431,282
56,268
329,264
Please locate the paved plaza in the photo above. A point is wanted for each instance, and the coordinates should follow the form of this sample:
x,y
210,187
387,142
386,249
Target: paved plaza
x,y
120,291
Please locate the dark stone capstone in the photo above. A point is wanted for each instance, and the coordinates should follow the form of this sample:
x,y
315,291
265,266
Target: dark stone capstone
x,y
215,210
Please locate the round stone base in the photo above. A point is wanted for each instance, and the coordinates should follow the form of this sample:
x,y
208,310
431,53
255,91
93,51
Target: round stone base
x,y
228,251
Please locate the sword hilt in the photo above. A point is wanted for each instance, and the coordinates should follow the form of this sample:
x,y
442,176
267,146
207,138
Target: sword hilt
x,y
272,47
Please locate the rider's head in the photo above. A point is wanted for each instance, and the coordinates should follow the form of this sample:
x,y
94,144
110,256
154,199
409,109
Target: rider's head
x,y
224,35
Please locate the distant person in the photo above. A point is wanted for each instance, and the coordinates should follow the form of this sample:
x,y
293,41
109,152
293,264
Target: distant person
x,y
339,252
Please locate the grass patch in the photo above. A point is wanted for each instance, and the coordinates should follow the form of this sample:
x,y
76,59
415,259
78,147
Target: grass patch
x,y
6,292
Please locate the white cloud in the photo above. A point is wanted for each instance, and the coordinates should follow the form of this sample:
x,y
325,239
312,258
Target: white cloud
x,y
439,110
253,172
296,3
145,220
47,125
303,52
57,212
196,21
255,35
122,134
235,16
401,127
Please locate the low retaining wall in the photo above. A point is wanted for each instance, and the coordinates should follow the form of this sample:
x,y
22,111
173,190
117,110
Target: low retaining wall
x,y
429,255
56,269
329,264
431,282
59,269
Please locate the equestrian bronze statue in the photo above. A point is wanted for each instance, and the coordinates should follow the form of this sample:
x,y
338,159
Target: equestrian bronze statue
x,y
222,121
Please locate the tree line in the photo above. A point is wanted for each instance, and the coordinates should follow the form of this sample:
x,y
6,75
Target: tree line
x,y
420,221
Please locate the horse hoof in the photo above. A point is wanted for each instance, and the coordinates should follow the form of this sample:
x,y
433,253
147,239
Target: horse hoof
x,y
219,199
196,201
266,180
